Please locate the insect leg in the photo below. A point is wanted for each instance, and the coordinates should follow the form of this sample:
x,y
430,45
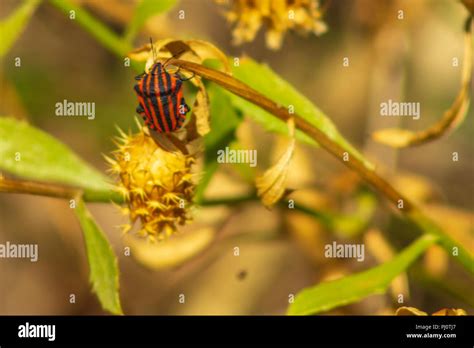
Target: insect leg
x,y
139,77
189,78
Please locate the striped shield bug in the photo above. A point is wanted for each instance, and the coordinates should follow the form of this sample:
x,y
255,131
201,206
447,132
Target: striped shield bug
x,y
160,99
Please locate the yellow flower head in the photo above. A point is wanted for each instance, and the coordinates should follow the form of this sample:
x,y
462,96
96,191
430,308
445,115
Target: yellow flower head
x,y
279,15
156,184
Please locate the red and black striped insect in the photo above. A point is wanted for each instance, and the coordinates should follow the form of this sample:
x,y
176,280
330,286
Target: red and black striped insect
x,y
160,98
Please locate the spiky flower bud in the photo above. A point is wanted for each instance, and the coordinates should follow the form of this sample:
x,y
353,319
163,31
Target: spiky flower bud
x,y
156,184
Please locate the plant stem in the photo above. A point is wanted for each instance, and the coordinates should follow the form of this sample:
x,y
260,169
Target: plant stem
x,y
68,192
101,32
325,218
229,200
242,90
57,191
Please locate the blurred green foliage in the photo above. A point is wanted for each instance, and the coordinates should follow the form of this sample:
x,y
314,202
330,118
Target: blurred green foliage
x,y
11,27
328,295
31,153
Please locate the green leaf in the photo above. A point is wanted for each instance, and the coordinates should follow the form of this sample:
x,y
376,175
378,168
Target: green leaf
x,y
264,80
31,153
224,122
11,27
144,10
104,273
328,295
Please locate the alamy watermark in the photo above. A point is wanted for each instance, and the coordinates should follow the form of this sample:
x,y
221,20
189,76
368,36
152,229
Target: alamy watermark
x,y
67,108
345,251
21,251
28,330
237,156
391,108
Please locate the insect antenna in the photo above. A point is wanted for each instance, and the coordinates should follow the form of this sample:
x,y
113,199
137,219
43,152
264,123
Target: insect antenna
x,y
152,50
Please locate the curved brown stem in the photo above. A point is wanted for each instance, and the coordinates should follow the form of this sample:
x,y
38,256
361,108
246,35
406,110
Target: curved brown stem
x,y
37,188
242,90
56,190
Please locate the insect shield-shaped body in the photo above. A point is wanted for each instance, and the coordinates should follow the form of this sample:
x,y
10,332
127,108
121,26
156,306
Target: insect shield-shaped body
x,y
161,101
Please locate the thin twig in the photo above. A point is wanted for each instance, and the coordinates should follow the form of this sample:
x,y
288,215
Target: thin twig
x,y
38,188
57,191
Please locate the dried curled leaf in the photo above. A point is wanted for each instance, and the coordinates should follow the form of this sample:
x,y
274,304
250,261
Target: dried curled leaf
x,y
405,311
272,184
206,50
196,51
394,137
398,138
201,109
450,312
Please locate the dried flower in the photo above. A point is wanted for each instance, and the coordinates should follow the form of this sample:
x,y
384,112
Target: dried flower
x,y
407,311
271,185
280,16
157,185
